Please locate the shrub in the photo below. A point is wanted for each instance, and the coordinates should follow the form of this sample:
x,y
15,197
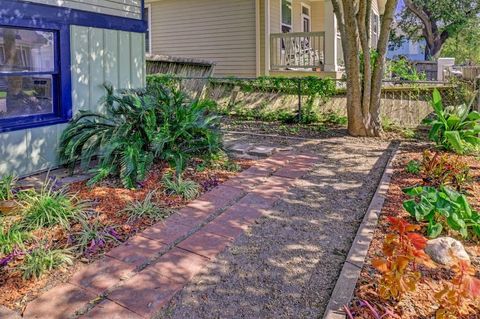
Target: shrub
x,y
41,260
454,128
443,169
145,209
413,167
93,237
402,248
121,136
185,127
48,207
442,208
7,184
11,238
138,127
176,185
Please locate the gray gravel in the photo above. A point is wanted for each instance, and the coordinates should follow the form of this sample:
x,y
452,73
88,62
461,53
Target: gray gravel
x,y
287,264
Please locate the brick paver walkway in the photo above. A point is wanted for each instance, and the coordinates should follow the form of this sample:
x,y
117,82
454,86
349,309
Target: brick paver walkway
x,y
139,277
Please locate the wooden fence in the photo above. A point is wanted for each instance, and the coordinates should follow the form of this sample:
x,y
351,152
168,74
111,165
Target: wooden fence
x,y
161,64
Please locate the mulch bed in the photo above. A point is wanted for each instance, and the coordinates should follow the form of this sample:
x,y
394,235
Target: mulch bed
x,y
421,303
106,200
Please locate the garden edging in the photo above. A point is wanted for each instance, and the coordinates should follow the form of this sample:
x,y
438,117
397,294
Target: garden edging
x,y
344,288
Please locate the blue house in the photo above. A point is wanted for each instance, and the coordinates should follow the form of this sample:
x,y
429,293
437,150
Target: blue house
x,y
55,57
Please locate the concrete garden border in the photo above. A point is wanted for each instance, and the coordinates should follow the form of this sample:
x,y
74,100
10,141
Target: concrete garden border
x,y
344,288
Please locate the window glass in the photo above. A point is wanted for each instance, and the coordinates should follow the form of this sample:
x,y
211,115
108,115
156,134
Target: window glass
x,y
26,51
286,15
25,95
27,72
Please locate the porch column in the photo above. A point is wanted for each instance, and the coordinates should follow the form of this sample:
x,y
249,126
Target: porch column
x,y
331,43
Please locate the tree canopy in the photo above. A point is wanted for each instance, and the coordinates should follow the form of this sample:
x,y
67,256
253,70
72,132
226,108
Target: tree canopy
x,y
436,21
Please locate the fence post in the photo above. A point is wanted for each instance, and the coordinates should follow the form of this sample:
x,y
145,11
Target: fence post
x,y
299,100
476,88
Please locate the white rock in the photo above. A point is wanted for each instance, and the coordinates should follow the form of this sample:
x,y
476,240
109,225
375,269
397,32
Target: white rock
x,y
443,250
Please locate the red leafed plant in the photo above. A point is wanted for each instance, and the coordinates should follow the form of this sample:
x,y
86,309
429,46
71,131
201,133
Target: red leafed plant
x,y
403,249
456,297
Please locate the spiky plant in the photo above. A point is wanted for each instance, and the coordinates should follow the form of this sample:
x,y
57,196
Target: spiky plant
x,y
186,127
48,207
176,185
146,208
7,184
12,237
42,260
93,237
121,137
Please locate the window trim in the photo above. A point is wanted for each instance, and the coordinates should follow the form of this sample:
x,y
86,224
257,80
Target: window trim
x,y
148,6
281,16
61,85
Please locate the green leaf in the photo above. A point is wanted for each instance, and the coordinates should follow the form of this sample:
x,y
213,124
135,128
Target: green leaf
x,y
454,141
434,229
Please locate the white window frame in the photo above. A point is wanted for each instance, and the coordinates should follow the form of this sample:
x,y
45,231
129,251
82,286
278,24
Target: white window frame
x,y
308,17
148,6
281,16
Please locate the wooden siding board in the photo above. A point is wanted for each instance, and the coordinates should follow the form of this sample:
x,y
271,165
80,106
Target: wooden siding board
x,y
221,31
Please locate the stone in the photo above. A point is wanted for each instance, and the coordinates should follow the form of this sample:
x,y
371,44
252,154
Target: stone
x,y
205,244
262,151
240,148
443,250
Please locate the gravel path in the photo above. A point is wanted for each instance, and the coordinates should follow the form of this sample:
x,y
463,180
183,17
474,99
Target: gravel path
x,y
287,264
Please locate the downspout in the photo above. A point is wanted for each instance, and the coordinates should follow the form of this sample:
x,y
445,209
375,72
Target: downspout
x,y
267,37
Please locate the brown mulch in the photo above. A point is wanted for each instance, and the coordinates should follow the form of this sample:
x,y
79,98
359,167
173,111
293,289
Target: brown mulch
x,y
421,303
105,202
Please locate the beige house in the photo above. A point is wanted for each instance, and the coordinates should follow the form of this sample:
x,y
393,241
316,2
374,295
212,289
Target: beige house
x,y
248,38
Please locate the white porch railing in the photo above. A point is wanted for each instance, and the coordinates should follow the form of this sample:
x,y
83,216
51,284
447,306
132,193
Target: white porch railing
x,y
297,50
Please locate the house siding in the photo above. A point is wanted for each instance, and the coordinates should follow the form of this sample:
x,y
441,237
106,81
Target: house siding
x,y
97,56
220,31
122,8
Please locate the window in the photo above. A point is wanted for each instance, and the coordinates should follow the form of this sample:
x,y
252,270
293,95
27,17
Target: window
x,y
286,16
28,74
306,19
147,17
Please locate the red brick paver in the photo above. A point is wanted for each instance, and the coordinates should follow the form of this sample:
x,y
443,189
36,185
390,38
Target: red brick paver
x,y
137,250
166,232
101,275
205,244
110,310
59,303
145,293
179,265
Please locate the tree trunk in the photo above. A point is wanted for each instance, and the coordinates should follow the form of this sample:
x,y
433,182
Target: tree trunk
x,y
364,76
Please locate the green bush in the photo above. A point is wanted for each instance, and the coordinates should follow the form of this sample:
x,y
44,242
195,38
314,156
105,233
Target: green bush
x,y
441,208
121,136
454,128
185,127
413,167
41,260
137,128
93,237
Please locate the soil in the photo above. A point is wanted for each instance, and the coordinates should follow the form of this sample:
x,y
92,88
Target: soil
x,y
106,200
419,304
287,264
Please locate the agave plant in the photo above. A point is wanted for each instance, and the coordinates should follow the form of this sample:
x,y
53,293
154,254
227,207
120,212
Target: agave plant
x,y
454,128
121,137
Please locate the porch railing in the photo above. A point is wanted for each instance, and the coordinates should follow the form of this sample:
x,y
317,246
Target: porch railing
x,y
297,50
